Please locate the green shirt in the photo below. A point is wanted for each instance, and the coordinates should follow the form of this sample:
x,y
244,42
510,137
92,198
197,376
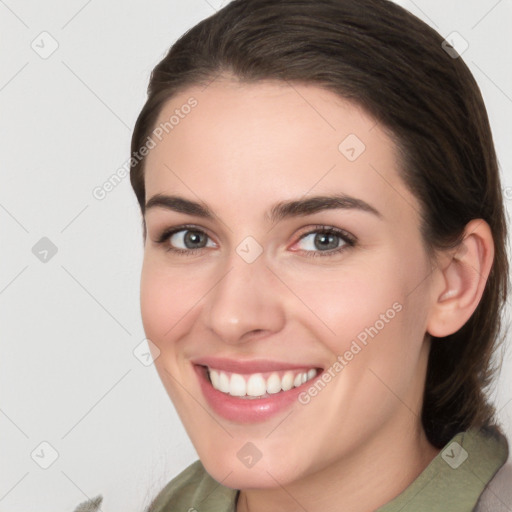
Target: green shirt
x,y
452,482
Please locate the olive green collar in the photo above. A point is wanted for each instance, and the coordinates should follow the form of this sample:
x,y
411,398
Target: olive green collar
x,y
456,477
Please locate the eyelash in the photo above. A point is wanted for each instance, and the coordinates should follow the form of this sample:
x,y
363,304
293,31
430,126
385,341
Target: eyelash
x,y
348,239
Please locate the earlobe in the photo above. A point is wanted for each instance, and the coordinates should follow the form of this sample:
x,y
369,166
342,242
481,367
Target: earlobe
x,y
461,281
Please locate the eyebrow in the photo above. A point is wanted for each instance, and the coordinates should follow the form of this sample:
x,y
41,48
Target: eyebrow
x,y
278,212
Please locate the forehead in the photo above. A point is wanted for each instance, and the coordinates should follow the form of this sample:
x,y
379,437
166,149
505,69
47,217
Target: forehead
x,y
273,140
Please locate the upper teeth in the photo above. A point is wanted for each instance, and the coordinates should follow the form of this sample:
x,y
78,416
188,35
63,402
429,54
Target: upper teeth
x,y
257,384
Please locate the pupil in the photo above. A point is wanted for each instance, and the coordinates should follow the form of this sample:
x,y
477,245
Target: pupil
x,y
325,240
191,238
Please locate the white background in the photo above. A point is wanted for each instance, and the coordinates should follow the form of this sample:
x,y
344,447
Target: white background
x,y
68,327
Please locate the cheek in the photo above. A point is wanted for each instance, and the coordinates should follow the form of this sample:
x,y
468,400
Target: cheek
x,y
167,298
348,304
371,312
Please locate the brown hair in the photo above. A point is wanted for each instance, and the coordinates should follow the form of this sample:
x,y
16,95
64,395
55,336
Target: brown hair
x,y
386,60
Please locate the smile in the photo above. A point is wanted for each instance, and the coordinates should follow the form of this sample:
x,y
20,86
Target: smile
x,y
258,385
244,391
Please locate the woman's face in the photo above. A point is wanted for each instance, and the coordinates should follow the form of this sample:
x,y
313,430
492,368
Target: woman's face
x,y
262,298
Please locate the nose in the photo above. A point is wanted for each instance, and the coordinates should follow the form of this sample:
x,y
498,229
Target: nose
x,y
245,303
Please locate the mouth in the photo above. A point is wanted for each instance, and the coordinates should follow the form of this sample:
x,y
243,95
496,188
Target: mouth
x,y
258,385
249,392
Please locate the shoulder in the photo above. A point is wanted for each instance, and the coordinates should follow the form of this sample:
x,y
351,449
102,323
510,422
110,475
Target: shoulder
x,y
187,491
180,487
190,489
497,495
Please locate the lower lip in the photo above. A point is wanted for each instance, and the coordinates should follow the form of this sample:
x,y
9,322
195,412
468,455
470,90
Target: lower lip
x,y
246,410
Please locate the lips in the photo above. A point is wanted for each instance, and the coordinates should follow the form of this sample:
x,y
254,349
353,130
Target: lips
x,y
249,366
247,391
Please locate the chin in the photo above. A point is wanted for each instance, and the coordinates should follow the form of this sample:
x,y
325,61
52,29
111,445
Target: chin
x,y
262,474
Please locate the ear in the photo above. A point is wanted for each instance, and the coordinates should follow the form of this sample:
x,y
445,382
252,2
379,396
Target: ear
x,y
460,280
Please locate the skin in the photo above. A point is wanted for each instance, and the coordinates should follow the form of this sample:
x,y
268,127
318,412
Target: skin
x,y
245,147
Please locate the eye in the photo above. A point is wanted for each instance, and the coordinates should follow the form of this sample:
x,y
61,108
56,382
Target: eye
x,y
185,240
326,241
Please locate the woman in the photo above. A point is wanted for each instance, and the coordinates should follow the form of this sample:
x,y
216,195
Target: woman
x,y
324,265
